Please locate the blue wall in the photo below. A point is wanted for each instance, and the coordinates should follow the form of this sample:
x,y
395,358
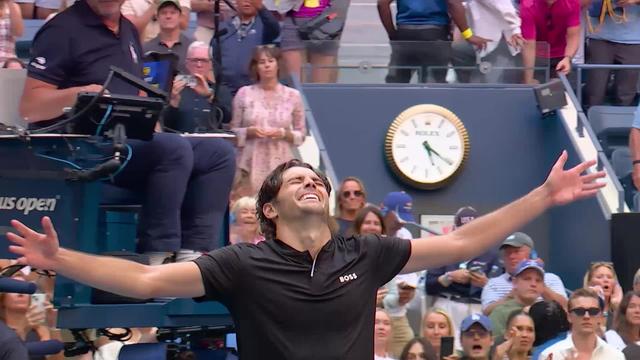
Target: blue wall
x,y
512,150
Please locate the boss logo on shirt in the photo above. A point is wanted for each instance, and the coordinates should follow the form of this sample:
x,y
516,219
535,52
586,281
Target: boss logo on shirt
x,y
345,278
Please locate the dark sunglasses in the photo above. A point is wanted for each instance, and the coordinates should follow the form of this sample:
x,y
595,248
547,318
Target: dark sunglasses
x,y
582,311
11,270
347,193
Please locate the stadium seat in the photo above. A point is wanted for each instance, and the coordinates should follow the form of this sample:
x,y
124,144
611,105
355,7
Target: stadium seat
x,y
611,125
621,162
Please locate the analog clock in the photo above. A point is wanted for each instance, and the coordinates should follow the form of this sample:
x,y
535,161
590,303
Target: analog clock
x,y
426,146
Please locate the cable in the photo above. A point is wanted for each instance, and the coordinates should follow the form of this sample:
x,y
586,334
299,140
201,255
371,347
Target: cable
x,y
126,161
60,160
80,113
104,119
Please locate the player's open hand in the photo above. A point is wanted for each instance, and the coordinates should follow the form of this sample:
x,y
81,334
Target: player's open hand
x,y
565,186
33,248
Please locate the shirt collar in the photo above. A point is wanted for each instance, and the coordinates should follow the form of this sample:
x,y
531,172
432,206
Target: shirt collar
x,y
567,344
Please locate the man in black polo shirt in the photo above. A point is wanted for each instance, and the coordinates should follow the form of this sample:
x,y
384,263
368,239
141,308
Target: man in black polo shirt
x,y
182,212
302,293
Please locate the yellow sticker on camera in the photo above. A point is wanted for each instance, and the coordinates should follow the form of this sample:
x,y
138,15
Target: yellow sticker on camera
x,y
312,3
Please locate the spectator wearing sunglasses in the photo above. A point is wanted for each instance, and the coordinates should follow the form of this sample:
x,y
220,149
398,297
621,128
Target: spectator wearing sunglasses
x,y
352,197
585,316
29,321
268,119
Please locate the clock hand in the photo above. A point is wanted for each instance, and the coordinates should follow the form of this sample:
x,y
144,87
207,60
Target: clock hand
x,y
447,160
429,151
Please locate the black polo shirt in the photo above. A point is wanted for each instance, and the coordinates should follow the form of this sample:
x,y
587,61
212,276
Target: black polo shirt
x,y
286,307
75,49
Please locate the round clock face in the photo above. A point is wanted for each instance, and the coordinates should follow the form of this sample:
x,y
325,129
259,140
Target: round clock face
x,y
426,146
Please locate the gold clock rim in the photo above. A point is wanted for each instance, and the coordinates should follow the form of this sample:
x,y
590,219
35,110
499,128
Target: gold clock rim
x,y
407,114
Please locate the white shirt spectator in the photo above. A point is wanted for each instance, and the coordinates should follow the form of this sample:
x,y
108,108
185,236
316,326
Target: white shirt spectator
x,y
614,339
499,286
491,19
565,350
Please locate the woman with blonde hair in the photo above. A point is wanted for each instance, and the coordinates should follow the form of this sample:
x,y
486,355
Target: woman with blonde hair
x,y
245,228
437,324
602,278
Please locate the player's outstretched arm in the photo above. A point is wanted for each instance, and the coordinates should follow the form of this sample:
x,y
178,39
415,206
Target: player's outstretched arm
x,y
118,276
561,187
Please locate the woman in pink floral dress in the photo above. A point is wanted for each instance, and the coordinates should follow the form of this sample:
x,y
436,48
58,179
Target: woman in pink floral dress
x,y
268,119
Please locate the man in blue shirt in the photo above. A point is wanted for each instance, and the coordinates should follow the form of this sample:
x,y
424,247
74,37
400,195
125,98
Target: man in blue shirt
x,y
424,21
182,212
615,41
254,25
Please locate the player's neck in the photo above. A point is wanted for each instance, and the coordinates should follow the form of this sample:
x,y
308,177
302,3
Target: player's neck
x,y
308,234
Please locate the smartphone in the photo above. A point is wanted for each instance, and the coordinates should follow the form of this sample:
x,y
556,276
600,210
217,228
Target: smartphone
x,y
38,299
476,269
446,346
190,80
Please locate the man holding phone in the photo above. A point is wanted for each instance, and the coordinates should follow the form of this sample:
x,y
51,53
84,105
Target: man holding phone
x,y
457,287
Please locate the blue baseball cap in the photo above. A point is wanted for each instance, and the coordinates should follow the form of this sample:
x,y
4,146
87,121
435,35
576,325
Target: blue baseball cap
x,y
529,264
399,202
480,319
